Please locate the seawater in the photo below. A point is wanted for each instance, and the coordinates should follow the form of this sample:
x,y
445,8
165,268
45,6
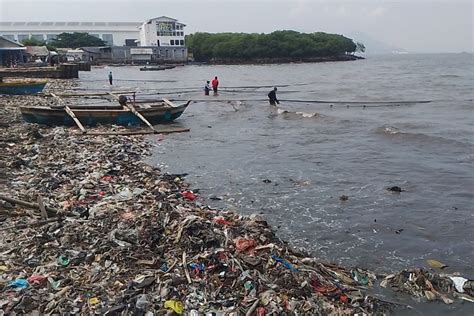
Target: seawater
x,y
314,153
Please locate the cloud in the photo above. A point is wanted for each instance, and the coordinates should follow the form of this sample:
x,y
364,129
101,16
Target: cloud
x,y
377,12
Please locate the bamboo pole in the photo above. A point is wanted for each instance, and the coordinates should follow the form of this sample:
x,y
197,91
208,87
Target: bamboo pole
x,y
76,120
132,109
70,113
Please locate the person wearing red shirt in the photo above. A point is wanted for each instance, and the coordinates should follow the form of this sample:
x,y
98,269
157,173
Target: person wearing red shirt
x,y
215,84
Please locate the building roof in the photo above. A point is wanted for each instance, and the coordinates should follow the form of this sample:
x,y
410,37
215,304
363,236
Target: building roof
x,y
163,19
5,43
37,50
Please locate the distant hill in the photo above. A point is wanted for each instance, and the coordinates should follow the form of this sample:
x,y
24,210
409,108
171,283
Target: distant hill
x,y
374,46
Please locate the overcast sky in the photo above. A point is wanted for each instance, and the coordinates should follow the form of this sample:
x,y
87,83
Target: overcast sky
x,y
416,25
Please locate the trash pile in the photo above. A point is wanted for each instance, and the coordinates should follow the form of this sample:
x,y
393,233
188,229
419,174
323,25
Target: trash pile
x,y
88,228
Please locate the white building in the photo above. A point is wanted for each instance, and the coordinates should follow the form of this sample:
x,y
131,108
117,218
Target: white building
x,y
162,31
113,33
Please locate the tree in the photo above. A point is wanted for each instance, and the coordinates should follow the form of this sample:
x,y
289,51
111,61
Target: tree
x,y
360,47
279,44
75,40
32,42
35,42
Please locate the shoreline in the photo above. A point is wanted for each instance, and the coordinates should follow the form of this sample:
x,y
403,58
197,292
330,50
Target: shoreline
x,y
126,232
289,60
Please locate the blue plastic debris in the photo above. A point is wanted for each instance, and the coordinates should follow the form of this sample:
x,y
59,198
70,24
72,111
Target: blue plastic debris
x,y
19,284
197,266
285,263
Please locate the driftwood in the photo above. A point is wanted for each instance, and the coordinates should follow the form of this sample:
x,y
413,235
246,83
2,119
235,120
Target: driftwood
x,y
50,211
44,214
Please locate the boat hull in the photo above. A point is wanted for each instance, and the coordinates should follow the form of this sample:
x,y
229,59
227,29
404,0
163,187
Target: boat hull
x,y
58,116
21,88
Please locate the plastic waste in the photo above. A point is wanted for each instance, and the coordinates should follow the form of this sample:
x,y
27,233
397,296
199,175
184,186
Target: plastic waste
x,y
63,261
436,264
221,221
36,279
459,283
285,263
19,284
243,244
142,302
94,301
189,195
176,306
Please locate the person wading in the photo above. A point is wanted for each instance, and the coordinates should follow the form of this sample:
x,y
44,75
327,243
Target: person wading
x,y
207,88
215,84
272,97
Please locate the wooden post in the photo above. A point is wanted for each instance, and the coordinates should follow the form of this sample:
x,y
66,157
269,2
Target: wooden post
x,y
42,208
132,109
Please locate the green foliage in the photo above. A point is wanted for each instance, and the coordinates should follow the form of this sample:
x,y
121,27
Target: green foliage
x,y
360,47
279,44
75,40
32,42
35,42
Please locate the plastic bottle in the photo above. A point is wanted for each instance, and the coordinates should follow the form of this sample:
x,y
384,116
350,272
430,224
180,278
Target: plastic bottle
x,y
142,303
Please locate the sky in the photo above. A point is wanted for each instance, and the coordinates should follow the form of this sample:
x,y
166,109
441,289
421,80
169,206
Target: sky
x,y
415,26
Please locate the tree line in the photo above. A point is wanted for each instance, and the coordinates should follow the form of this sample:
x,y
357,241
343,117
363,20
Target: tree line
x,y
67,40
279,44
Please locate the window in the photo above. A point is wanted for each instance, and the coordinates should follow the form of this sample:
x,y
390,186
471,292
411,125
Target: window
x,y
171,42
108,39
95,35
181,42
130,42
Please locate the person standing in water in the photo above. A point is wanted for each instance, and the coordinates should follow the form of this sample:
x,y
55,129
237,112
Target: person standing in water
x,y
207,88
215,84
110,78
272,97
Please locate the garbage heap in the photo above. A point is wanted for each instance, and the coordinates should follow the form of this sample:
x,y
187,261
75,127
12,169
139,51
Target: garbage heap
x,y
119,237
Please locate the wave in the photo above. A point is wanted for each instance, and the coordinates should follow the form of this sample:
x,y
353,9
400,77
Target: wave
x,y
297,113
421,138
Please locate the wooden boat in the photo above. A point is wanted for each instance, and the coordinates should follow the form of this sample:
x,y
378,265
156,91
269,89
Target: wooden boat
x,y
155,113
21,87
157,68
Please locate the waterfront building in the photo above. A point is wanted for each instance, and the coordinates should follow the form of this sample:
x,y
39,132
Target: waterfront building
x,y
113,33
159,39
162,31
10,52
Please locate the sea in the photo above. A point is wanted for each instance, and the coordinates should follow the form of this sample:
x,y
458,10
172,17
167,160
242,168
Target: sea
x,y
318,165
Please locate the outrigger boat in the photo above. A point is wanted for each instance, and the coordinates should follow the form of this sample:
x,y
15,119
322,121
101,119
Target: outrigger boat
x,y
21,87
136,113
157,68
